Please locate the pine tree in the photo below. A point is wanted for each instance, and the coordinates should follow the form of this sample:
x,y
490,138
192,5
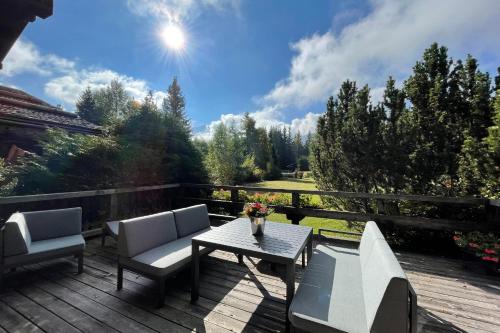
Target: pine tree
x,y
112,104
492,187
396,136
174,104
432,157
86,108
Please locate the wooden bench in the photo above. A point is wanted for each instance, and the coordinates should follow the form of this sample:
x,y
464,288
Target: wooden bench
x,y
363,289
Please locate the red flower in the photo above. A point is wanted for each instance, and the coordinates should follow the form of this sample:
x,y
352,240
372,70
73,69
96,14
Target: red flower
x,y
473,245
489,251
456,237
493,259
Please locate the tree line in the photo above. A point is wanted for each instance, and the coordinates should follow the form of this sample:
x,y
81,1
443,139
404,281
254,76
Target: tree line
x,y
246,153
438,134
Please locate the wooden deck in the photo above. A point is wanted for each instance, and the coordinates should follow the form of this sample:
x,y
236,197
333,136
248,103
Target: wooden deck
x,y
50,297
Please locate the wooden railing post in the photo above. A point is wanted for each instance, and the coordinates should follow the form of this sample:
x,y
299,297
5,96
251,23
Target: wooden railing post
x,y
492,208
296,199
113,206
294,217
234,199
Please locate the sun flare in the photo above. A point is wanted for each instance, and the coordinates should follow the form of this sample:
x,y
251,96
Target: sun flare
x,y
173,37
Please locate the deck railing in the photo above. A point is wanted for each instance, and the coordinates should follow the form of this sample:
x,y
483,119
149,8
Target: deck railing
x,y
109,204
489,210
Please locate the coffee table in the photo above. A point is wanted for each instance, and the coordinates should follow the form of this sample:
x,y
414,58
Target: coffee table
x,y
281,244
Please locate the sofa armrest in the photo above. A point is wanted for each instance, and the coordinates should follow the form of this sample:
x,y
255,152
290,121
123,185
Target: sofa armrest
x,y
16,236
55,223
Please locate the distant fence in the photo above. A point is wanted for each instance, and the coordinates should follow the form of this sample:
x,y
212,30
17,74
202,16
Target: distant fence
x,y
110,204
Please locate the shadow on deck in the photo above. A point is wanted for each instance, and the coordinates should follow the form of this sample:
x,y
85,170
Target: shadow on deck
x,y
50,297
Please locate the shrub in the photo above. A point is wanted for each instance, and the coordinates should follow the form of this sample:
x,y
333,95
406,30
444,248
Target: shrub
x,y
7,179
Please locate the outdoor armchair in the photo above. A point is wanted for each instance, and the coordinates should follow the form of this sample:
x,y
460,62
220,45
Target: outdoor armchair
x,y
31,237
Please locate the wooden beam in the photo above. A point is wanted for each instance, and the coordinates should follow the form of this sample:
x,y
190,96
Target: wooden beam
x,y
81,194
396,197
409,221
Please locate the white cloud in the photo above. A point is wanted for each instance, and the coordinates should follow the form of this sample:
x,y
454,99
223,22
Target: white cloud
x,y
65,81
68,87
24,57
305,125
385,42
266,118
177,10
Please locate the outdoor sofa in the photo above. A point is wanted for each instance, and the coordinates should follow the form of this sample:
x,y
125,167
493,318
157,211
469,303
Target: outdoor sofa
x,y
159,245
360,289
31,237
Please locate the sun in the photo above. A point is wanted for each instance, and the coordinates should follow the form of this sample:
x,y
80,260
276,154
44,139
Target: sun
x,y
173,37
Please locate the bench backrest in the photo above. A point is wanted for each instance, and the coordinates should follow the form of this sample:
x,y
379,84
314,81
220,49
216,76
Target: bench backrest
x,y
55,223
191,219
385,286
144,233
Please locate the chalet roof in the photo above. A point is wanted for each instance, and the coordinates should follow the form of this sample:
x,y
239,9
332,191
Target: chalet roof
x,y
15,15
20,108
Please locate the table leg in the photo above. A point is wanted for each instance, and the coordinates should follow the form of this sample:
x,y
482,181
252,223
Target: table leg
x,y
309,248
240,259
290,290
304,258
195,271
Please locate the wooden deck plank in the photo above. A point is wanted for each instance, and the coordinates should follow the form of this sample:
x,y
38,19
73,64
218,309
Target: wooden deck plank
x,y
37,314
233,298
92,308
130,311
229,317
13,322
70,314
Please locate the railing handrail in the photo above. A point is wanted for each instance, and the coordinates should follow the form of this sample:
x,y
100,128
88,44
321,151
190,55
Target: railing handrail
x,y
362,195
81,194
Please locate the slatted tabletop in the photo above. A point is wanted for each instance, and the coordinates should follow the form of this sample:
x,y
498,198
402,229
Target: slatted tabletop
x,y
280,240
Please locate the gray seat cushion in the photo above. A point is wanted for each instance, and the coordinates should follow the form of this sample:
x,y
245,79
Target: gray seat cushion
x,y
144,233
49,248
191,219
330,295
166,258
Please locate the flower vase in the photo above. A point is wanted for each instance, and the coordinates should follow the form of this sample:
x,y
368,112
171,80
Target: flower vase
x,y
258,224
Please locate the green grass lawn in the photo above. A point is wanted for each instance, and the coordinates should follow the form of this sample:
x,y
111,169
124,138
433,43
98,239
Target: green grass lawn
x,y
288,184
314,222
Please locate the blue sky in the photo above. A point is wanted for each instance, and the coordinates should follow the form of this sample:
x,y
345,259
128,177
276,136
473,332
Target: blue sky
x,y
278,60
